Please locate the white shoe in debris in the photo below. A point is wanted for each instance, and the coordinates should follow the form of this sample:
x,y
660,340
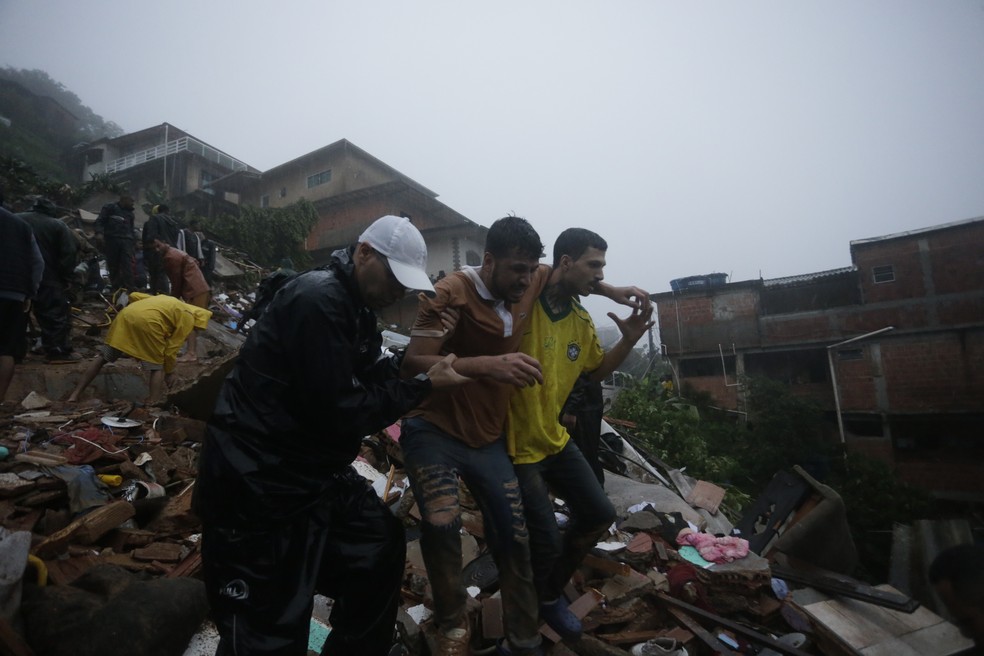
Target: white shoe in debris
x,y
659,647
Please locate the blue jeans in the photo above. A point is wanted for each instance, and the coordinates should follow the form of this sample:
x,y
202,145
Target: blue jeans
x,y
434,460
570,477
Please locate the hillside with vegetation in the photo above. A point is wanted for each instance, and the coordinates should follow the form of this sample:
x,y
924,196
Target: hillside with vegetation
x,y
27,100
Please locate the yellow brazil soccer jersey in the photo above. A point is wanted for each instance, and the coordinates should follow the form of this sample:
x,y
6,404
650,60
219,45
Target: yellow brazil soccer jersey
x,y
565,345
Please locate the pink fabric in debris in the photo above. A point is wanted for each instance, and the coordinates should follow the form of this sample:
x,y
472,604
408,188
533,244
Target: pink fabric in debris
x,y
713,548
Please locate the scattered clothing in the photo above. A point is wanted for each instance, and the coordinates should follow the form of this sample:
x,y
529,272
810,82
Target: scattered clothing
x,y
713,548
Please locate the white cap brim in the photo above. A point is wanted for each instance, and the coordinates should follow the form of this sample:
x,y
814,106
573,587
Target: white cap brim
x,y
410,277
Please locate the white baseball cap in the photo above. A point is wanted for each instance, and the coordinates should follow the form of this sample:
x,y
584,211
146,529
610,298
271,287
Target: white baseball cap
x,y
402,245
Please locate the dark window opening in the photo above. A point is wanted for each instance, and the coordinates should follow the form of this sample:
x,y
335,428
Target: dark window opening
x,y
283,192
319,178
951,436
884,273
265,200
790,367
206,178
863,426
696,367
850,354
472,258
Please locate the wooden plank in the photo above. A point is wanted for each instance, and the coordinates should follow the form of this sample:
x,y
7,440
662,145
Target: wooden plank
x,y
492,626
846,625
876,631
707,496
629,637
893,647
606,565
165,552
832,582
703,634
86,529
768,641
943,639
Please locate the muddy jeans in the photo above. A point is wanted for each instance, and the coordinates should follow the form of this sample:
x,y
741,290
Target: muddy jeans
x,y
570,477
434,460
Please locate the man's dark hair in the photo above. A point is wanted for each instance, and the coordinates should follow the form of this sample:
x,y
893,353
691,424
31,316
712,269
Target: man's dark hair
x,y
513,235
963,567
163,209
574,241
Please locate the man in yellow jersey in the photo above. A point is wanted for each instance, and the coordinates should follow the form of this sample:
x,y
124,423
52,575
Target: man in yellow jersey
x,y
562,338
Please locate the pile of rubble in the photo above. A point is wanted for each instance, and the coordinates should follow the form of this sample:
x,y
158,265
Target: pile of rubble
x,y
98,539
109,484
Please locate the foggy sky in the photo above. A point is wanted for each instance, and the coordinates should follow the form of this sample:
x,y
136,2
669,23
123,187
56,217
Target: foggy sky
x,y
750,138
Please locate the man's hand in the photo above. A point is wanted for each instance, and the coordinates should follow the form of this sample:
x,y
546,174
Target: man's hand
x,y
568,421
27,306
634,297
442,374
449,319
169,379
636,324
517,369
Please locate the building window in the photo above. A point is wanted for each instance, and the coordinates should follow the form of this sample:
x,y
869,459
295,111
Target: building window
x,y
883,273
698,367
283,192
319,178
265,200
850,354
472,258
206,178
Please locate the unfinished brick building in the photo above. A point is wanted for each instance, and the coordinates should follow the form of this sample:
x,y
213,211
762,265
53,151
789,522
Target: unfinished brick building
x,y
895,342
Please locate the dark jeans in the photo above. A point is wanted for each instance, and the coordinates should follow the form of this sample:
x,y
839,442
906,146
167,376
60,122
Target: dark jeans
x,y
261,578
587,436
121,262
570,477
434,460
13,329
156,276
53,312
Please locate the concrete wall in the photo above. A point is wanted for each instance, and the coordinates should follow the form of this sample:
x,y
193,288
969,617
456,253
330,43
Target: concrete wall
x,y
287,184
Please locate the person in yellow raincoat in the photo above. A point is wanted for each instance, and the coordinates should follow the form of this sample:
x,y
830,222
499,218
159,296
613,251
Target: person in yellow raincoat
x,y
152,330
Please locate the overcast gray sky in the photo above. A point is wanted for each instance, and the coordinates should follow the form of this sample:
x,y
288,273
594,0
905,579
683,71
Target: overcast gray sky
x,y
754,137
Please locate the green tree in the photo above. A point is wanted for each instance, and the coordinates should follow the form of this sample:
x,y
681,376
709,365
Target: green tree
x,y
91,125
19,179
782,430
268,235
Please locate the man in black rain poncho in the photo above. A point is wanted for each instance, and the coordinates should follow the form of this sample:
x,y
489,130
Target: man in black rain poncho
x,y
284,514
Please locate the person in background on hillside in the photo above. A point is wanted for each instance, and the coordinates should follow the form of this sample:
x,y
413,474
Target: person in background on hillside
x,y
957,575
152,330
21,268
284,514
52,307
187,283
561,336
159,226
200,247
114,235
